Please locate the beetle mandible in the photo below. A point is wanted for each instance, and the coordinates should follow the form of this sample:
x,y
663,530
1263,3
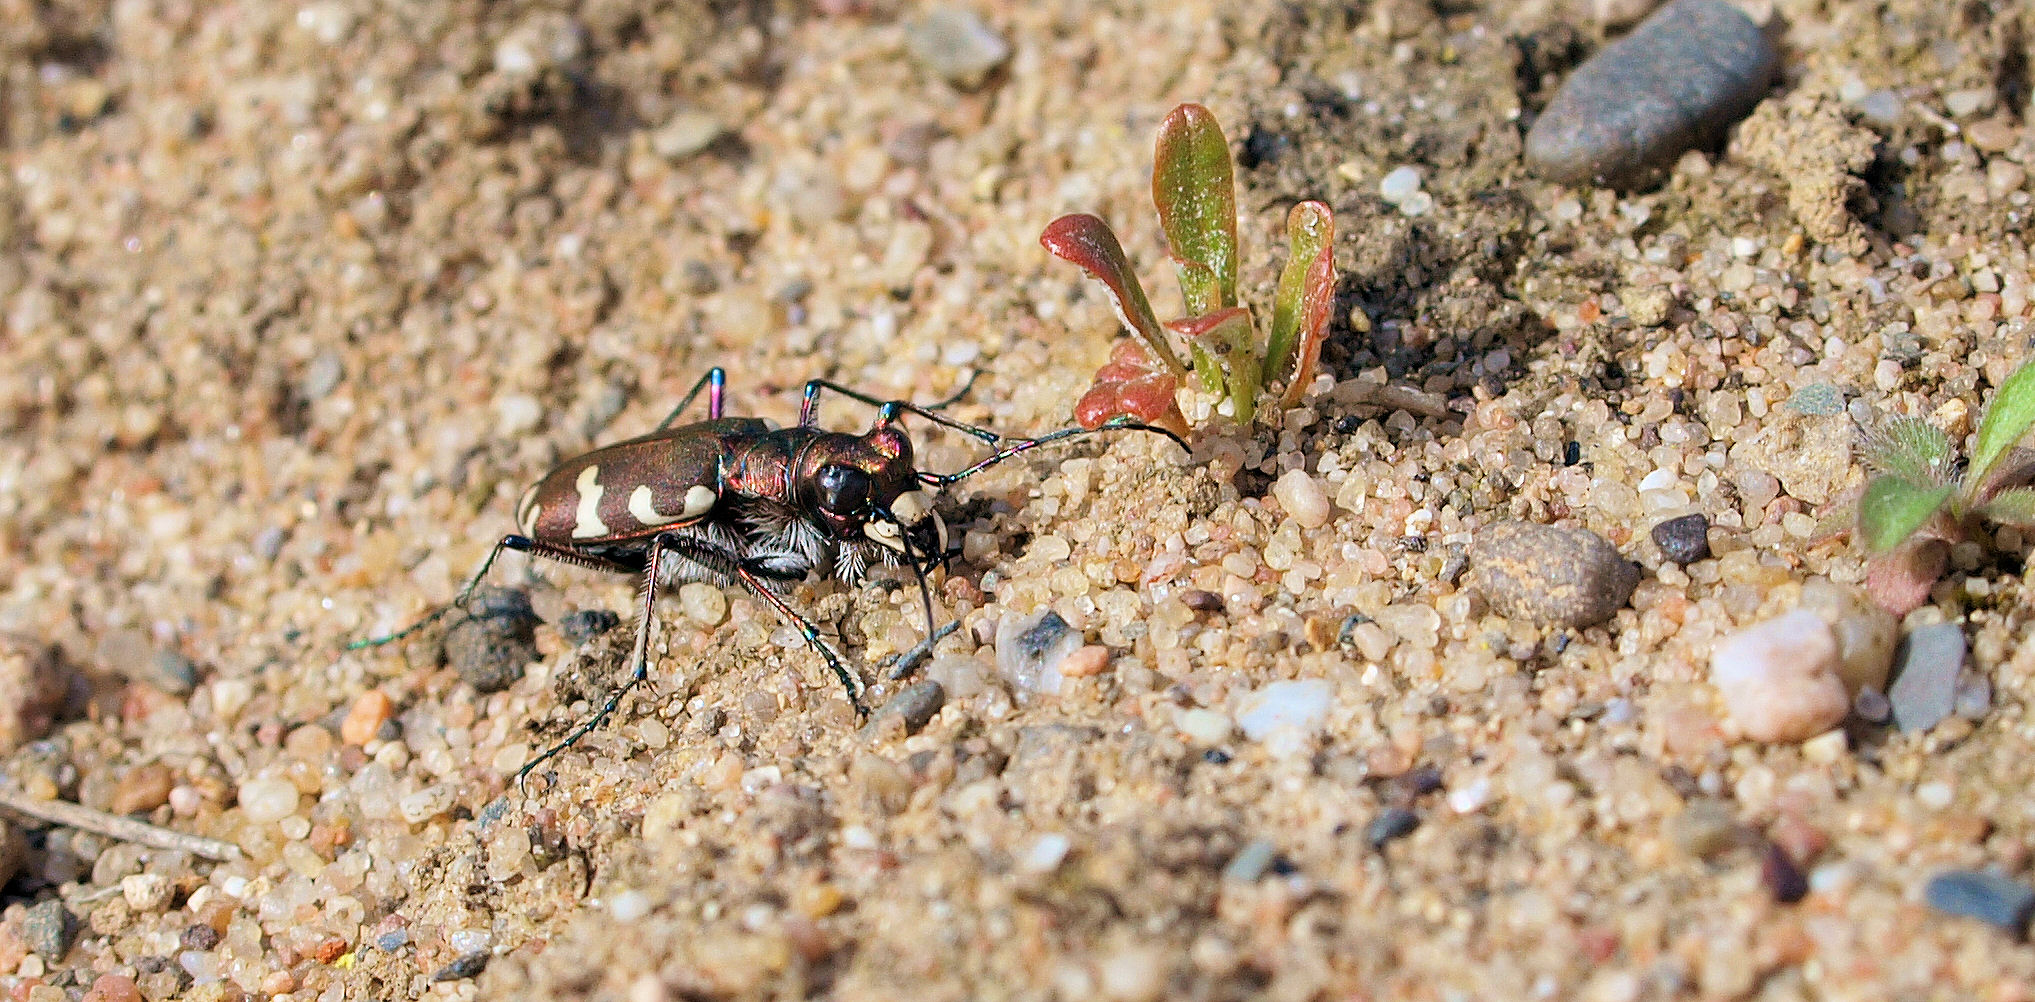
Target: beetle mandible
x,y
734,501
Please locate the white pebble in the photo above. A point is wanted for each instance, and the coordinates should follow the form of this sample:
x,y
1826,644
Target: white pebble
x,y
1134,974
426,803
1204,727
1303,498
628,906
702,603
1780,679
1471,797
145,892
1046,854
1300,706
268,799
1399,185
518,413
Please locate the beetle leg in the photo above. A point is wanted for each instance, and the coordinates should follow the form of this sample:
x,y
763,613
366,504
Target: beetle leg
x,y
510,542
808,408
809,632
713,382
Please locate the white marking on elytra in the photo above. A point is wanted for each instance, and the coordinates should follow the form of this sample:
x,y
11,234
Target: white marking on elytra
x,y
699,499
645,512
528,511
587,523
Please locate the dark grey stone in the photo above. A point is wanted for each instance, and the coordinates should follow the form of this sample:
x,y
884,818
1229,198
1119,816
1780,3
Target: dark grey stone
x,y
490,646
1987,897
1677,82
1925,676
1391,823
1871,706
1550,576
1684,540
582,625
170,672
915,706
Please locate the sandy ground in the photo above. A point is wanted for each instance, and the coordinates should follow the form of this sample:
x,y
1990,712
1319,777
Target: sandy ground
x,y
296,299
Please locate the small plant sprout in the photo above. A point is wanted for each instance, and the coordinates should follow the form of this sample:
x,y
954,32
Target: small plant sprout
x,y
1917,505
1194,188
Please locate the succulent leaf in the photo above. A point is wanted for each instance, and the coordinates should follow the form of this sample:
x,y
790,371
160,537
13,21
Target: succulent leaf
x,y
1090,244
1306,296
1194,187
1227,334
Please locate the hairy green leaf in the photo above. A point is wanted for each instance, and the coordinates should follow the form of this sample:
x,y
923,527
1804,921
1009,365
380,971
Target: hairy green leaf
x,y
1893,508
1306,295
1909,448
2014,507
1194,187
2013,410
1092,245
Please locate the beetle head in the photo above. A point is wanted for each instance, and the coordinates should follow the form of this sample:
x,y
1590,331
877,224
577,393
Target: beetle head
x,y
866,486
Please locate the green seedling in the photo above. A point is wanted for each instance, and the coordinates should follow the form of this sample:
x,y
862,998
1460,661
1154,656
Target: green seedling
x,y
1917,504
1194,188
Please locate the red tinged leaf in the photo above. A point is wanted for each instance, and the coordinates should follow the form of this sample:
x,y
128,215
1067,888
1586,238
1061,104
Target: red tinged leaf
x,y
1227,333
1194,187
1132,385
1306,295
1092,246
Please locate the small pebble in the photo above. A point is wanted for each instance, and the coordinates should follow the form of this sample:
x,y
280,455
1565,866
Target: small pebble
x,y
1204,727
582,625
1201,600
1780,679
1782,877
1399,184
1684,540
685,134
142,789
704,604
48,928
146,892
1872,707
1391,823
1250,862
465,967
1031,649
1988,897
1974,696
170,672
917,704
492,643
365,718
1046,853
1085,662
1303,498
1924,691
113,988
955,44
1677,82
268,799
1296,706
1550,576
1133,974
1704,828
33,685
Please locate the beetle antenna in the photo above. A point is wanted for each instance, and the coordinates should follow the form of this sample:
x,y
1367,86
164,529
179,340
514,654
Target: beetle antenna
x,y
1024,445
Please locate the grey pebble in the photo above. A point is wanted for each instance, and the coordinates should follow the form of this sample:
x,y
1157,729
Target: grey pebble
x,y
1925,677
1684,540
1704,828
170,672
1251,862
1029,651
463,968
1549,575
1987,897
48,929
497,637
955,44
1817,400
1871,706
915,705
1676,82
1391,823
582,625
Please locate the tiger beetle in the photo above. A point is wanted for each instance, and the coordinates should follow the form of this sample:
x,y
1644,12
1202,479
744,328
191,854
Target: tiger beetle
x,y
732,500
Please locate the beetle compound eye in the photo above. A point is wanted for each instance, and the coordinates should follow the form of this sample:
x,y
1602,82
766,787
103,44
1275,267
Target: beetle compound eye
x,y
844,490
